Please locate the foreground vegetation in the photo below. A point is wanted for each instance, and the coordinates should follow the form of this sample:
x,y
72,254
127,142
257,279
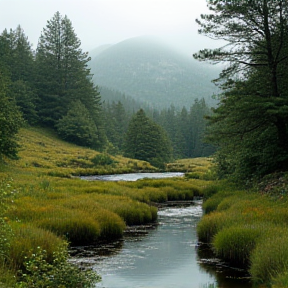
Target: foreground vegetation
x,y
47,207
249,228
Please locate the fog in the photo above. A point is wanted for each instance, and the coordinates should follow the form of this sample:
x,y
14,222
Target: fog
x,y
99,22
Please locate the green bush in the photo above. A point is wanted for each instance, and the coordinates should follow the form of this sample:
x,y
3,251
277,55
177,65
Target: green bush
x,y
38,272
102,159
26,238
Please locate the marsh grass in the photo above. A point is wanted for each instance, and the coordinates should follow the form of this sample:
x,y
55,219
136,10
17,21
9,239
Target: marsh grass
x,y
43,149
191,165
7,277
235,244
270,257
26,240
281,280
248,229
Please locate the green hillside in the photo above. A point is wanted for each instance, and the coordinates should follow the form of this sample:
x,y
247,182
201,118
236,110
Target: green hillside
x,y
153,73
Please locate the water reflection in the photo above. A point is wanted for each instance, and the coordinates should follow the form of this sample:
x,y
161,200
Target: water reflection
x,y
225,275
132,176
165,256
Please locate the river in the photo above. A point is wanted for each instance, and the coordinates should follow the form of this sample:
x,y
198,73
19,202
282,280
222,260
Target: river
x,y
132,176
161,256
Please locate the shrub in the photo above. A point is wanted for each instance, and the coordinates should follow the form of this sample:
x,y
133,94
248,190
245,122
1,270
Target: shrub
x,y
38,272
26,238
102,159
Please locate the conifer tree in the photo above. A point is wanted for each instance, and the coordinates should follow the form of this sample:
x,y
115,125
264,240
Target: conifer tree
x,y
63,76
145,140
250,125
78,127
18,59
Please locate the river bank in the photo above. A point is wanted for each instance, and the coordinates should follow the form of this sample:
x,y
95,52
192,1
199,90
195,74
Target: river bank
x,y
248,229
162,255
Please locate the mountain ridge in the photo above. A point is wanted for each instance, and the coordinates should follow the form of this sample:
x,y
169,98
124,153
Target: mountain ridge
x,y
153,72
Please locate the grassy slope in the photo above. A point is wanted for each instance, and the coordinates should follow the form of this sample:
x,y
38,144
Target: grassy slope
x,y
48,204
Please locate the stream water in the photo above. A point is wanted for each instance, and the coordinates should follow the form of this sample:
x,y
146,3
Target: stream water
x,y
161,256
132,176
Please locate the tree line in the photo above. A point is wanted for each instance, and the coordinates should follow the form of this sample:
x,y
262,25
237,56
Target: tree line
x,y
184,128
52,87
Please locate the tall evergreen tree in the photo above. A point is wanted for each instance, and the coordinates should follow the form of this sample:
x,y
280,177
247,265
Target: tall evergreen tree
x,y
18,58
253,109
63,76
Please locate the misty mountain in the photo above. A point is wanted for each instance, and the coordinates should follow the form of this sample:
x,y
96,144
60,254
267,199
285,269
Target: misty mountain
x,y
95,52
153,73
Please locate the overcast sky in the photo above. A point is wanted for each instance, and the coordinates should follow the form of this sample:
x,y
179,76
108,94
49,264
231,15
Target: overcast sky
x,y
99,22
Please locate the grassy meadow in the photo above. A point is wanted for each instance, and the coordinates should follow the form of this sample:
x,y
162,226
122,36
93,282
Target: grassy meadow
x,y
47,205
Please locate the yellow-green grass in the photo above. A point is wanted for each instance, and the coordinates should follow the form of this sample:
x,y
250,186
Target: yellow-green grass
x,y
7,277
48,204
201,165
26,240
42,148
236,243
248,229
270,257
281,280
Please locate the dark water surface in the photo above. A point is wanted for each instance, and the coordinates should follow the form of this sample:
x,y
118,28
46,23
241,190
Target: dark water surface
x,y
164,256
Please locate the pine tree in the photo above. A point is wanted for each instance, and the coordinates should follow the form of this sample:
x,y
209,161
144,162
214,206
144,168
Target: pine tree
x,y
63,76
145,140
18,60
250,125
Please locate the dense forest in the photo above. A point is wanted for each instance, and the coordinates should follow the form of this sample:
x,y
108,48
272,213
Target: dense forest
x,y
52,87
185,128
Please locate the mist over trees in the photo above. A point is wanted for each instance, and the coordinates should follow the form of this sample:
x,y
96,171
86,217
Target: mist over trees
x,y
184,128
52,87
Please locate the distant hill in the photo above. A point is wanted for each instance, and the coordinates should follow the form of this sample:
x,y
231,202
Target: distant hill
x,y
153,73
95,52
